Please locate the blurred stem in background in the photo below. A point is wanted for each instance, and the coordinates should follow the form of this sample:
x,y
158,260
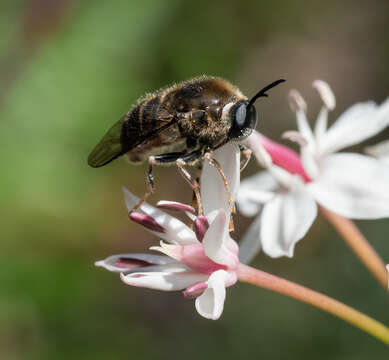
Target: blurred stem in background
x,y
359,245
332,306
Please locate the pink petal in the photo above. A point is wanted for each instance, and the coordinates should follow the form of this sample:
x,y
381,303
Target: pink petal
x,y
282,156
192,256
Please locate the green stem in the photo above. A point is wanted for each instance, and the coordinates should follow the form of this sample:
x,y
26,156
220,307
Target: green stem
x,y
359,245
332,306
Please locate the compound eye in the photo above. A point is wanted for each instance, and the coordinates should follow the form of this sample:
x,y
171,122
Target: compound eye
x,y
240,116
243,121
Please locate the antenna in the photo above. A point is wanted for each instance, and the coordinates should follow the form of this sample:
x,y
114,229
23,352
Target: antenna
x,y
262,93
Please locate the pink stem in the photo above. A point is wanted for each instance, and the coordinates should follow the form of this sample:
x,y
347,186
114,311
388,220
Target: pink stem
x,y
323,302
359,245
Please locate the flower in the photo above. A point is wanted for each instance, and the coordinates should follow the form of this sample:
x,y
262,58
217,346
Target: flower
x,y
286,195
201,262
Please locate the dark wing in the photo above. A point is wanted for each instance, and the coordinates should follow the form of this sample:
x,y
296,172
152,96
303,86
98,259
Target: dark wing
x,y
130,131
109,147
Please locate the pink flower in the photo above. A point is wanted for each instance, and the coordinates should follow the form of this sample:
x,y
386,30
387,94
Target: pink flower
x,y
200,262
286,195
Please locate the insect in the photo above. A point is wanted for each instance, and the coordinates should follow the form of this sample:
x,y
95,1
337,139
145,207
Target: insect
x,y
181,124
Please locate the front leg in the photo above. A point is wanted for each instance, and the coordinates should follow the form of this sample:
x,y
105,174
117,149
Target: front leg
x,y
180,159
245,155
155,160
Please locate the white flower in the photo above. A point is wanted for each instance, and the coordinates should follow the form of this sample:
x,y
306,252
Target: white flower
x,y
202,262
349,184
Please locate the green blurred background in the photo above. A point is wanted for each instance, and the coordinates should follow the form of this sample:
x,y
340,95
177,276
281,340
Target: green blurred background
x,y
68,70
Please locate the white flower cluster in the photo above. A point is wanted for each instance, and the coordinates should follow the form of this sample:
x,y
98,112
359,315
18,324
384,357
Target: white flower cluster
x,y
286,195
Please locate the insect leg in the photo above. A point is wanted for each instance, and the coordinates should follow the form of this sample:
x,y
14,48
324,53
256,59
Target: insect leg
x,y
150,188
155,160
199,169
245,154
216,164
194,183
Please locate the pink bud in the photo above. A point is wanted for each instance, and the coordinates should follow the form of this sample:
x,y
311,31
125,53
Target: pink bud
x,y
284,157
201,225
175,206
195,290
126,263
147,221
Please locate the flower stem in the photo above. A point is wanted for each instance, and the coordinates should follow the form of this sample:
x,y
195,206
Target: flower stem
x,y
359,245
332,306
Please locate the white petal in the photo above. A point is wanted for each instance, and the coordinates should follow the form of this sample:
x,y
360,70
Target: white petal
x,y
216,242
353,185
125,262
286,219
250,245
211,303
213,191
254,191
163,280
380,151
304,128
311,167
356,124
176,231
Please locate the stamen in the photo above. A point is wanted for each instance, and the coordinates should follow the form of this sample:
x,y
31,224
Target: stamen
x,y
295,136
326,94
296,101
175,206
147,221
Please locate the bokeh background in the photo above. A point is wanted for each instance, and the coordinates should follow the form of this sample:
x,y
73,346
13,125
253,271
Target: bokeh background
x,y
68,70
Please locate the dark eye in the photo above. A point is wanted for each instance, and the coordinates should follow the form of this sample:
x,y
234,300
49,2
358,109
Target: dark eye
x,y
243,121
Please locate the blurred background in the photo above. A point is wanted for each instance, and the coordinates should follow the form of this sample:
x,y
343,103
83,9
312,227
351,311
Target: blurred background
x,y
68,70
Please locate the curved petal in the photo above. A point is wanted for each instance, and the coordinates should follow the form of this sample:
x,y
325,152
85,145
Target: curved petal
x,y
216,242
356,124
250,245
213,191
286,219
163,280
211,303
353,185
379,151
255,191
125,262
176,232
